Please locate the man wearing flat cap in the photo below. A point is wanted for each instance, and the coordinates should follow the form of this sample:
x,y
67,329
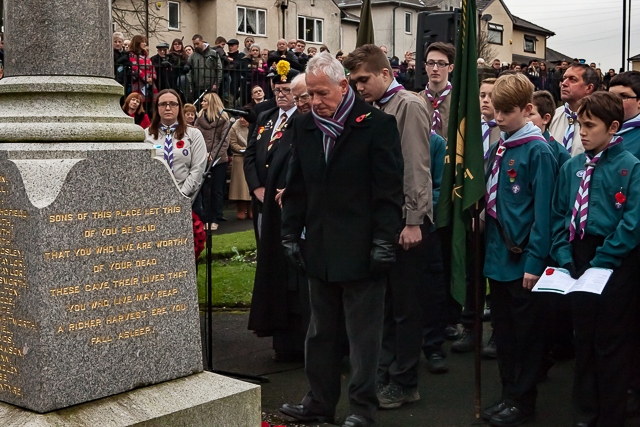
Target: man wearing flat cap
x,y
280,303
162,65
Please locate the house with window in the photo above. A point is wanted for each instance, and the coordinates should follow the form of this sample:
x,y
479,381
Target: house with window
x,y
509,37
317,22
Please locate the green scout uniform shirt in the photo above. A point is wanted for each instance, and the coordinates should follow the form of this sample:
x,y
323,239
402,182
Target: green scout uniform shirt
x,y
523,208
631,141
616,171
559,152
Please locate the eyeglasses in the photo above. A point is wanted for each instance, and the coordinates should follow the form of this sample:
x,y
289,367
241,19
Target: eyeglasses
x,y
283,91
171,104
440,64
302,98
625,97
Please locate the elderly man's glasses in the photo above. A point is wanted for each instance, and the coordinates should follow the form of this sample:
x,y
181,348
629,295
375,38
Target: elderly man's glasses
x,y
302,98
283,91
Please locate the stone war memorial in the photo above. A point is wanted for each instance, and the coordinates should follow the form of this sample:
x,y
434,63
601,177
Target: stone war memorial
x,y
98,295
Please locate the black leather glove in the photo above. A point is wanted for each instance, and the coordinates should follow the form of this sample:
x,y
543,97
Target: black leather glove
x,y
383,256
572,269
292,251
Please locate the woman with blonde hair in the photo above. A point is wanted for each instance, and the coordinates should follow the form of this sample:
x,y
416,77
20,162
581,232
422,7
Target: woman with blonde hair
x,y
133,108
213,123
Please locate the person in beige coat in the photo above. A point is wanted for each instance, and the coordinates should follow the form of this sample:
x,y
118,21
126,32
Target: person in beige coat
x,y
238,189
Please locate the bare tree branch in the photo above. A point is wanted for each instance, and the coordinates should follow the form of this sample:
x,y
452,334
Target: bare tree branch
x,y
129,17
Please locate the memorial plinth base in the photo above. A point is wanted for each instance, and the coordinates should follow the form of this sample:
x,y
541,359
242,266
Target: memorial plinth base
x,y
203,399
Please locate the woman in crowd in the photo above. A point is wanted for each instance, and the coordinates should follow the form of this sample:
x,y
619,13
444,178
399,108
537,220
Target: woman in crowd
x,y
188,49
178,58
180,146
143,75
213,122
238,188
248,42
190,114
133,108
257,67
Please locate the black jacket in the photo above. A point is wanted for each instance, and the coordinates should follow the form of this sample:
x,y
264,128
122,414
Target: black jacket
x,y
345,204
276,56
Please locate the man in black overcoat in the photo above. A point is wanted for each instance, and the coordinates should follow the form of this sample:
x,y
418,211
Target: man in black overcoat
x,y
280,303
345,191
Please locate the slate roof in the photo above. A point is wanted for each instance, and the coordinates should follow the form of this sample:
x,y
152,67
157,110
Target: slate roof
x,y
526,25
418,4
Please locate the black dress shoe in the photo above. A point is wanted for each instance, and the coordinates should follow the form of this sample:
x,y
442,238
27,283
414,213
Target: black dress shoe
x,y
302,413
510,417
354,420
492,410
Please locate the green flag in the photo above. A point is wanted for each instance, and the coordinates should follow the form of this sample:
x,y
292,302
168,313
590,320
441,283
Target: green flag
x,y
365,30
463,175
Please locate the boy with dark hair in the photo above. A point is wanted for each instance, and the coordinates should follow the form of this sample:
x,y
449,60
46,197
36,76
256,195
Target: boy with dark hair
x,y
544,107
596,223
627,85
439,63
521,174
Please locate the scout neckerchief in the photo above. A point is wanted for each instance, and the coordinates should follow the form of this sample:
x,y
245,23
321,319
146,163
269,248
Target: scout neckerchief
x,y
393,88
332,127
168,143
528,133
629,124
486,134
435,103
581,206
571,117
278,133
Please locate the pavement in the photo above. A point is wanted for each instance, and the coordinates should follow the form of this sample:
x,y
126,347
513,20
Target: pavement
x,y
447,400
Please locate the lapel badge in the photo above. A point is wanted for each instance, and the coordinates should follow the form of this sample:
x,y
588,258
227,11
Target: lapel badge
x,y
620,199
512,174
580,173
185,152
515,189
512,162
259,136
624,172
500,151
570,120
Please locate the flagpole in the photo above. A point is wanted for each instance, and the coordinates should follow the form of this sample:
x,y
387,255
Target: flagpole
x,y
477,321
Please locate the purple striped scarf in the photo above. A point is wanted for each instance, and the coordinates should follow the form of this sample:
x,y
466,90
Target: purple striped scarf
x,y
629,124
436,122
332,127
581,205
393,88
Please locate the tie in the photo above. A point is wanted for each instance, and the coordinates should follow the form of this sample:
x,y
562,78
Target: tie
x,y
493,181
568,134
275,136
486,133
581,206
168,143
435,103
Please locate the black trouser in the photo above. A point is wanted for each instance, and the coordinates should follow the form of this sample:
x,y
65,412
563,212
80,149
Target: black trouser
x,y
517,315
403,319
605,332
292,339
213,193
433,297
358,306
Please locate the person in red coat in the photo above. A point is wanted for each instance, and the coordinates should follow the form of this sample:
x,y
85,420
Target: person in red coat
x,y
133,108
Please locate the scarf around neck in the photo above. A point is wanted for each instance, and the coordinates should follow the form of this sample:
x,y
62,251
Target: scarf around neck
x,y
332,127
436,122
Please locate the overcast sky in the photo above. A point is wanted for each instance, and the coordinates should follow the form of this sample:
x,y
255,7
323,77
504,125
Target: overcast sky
x,y
589,29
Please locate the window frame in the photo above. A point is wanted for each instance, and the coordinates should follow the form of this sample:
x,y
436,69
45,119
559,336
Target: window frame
x,y
258,11
532,39
496,28
169,3
410,22
314,28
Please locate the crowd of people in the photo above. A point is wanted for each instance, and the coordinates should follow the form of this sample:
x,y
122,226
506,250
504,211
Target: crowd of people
x,y
340,167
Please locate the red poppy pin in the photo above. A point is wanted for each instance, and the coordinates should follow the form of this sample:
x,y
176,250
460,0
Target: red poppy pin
x,y
180,144
260,130
620,198
434,104
278,135
362,117
512,174
624,172
549,271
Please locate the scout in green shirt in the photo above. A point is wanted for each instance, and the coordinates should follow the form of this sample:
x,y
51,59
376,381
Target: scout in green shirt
x,y
541,115
521,174
596,223
627,85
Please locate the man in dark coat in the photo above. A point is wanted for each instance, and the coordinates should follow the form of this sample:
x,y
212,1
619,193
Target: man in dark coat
x,y
283,53
345,191
280,303
162,65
